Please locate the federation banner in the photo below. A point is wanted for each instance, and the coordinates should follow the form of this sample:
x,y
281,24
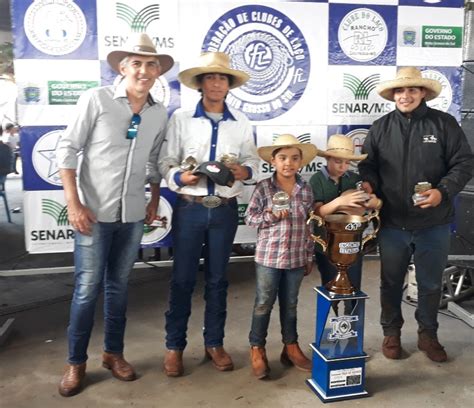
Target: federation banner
x,y
313,66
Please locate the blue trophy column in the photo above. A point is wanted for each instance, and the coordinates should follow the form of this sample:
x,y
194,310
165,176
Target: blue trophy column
x,y
338,357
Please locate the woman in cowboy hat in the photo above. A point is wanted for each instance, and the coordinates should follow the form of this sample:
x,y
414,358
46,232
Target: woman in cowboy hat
x,y
410,145
334,189
284,253
205,212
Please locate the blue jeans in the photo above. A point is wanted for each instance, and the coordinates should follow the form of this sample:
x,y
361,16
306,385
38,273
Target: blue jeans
x,y
429,247
272,282
102,260
194,226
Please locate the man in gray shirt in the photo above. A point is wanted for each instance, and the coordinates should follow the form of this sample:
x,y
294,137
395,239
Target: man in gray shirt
x,y
119,131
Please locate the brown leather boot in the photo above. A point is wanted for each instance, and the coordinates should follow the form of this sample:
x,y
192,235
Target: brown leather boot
x,y
432,348
173,364
292,355
120,368
258,358
71,382
391,347
220,359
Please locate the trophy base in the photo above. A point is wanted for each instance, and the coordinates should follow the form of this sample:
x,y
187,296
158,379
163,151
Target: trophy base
x,y
340,287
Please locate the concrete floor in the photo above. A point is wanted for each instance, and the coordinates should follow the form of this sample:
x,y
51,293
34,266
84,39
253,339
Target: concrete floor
x,y
32,358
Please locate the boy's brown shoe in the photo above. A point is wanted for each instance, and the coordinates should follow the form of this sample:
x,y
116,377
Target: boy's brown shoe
x,y
292,355
220,358
391,347
258,359
121,369
71,382
432,348
173,364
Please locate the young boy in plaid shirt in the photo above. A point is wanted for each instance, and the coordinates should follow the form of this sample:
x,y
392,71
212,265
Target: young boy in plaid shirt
x,y
284,251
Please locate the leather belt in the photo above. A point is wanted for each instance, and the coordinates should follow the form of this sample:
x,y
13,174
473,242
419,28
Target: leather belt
x,y
210,201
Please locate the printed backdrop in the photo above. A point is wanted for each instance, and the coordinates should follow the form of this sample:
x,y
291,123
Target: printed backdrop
x,y
313,67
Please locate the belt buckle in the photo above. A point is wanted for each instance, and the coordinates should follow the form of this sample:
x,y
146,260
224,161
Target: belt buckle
x,y
211,201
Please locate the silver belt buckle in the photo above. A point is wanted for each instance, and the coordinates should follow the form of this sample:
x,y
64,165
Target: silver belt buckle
x,y
211,201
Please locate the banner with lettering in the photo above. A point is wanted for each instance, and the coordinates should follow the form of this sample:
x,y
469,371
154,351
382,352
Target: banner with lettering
x,y
313,66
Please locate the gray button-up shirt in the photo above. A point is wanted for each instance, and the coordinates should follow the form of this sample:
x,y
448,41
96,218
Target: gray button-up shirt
x,y
113,170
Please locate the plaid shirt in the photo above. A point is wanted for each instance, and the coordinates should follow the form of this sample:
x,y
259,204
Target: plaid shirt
x,y
282,244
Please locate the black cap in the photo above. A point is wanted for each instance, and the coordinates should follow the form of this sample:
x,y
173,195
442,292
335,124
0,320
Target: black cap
x,y
217,171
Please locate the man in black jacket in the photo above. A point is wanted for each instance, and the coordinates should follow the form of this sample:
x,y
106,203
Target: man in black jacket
x,y
414,149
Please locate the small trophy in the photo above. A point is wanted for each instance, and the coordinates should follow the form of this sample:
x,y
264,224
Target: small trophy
x,y
229,158
359,188
420,188
188,164
280,201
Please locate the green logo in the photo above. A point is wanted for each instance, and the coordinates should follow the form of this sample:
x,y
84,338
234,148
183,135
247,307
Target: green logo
x,y
241,208
441,37
138,20
55,210
361,89
68,92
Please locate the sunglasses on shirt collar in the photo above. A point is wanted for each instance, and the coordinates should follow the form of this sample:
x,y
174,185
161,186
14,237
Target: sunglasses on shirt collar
x,y
133,127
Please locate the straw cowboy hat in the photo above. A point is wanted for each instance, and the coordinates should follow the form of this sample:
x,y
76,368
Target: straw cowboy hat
x,y
341,147
139,44
308,150
409,77
210,63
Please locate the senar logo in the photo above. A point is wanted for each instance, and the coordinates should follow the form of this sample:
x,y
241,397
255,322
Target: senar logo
x,y
361,89
55,210
138,21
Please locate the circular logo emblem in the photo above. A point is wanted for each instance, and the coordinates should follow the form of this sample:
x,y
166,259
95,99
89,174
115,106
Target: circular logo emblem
x,y
161,91
161,225
55,27
444,99
362,34
343,327
357,136
268,46
44,157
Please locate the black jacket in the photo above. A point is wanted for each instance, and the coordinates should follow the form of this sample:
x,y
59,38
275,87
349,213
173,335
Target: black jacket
x,y
430,146
5,159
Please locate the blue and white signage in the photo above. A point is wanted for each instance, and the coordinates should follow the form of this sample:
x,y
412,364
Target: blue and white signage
x,y
270,47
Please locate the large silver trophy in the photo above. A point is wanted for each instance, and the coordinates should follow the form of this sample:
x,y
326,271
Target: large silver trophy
x,y
343,244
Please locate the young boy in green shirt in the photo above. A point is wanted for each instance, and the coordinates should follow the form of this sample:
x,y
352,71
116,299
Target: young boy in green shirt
x,y
335,190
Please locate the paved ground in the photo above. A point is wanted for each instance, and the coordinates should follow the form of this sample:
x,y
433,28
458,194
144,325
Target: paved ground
x,y
32,357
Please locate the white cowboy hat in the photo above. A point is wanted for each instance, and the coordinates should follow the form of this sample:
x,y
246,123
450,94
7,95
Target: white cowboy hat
x,y
139,44
308,150
409,77
341,147
210,63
